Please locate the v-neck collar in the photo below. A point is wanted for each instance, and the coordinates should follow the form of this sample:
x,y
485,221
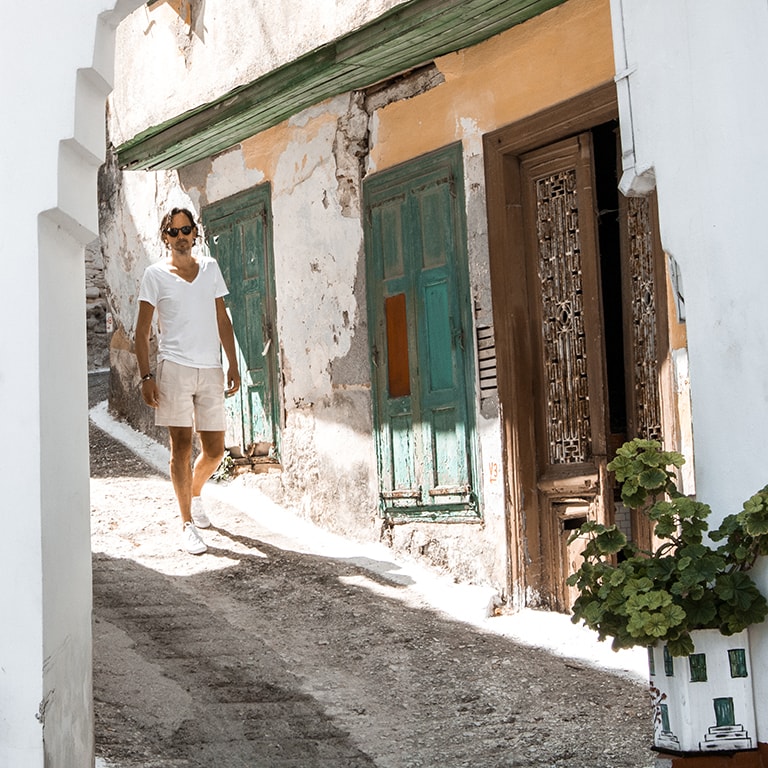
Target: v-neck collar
x,y
170,268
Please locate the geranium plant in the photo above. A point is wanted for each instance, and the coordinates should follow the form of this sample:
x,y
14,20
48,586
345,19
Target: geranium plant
x,y
688,582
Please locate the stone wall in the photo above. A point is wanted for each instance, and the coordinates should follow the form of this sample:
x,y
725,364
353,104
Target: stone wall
x,y
96,308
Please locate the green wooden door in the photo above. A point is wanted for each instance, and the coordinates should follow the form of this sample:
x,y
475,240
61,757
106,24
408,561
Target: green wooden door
x,y
419,321
239,235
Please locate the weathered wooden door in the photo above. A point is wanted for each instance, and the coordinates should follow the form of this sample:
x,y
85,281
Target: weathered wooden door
x,y
420,333
589,392
239,235
579,285
569,387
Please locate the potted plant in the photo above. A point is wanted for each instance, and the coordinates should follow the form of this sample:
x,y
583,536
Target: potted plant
x,y
694,580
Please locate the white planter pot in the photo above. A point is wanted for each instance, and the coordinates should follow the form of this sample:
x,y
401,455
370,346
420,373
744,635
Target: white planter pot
x,y
704,702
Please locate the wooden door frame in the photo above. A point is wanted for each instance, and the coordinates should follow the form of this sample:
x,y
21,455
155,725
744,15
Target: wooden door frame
x,y
502,150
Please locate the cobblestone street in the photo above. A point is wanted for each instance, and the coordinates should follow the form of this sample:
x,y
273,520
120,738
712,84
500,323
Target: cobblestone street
x,y
262,654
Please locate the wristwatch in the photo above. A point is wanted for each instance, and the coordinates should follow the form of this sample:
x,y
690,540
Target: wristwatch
x,y
148,376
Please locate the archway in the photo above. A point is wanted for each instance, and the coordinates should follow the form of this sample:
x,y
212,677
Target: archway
x,y
51,151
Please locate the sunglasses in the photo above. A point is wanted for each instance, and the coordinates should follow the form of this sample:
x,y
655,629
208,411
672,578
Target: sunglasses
x,y
174,231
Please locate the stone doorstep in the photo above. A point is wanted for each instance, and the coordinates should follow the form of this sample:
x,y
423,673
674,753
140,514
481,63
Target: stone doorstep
x,y
256,464
255,458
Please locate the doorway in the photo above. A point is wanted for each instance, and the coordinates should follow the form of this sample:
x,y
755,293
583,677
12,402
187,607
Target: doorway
x,y
576,274
239,234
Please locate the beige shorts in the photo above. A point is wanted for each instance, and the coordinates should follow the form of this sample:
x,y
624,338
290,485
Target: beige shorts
x,y
190,397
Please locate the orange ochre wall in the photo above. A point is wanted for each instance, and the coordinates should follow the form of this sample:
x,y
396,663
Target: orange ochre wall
x,y
553,57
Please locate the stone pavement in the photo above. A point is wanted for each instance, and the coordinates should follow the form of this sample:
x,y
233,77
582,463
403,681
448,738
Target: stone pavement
x,y
273,651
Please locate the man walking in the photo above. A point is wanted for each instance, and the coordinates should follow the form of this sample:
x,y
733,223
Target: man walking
x,y
188,388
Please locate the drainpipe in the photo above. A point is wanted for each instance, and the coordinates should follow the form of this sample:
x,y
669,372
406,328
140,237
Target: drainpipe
x,y
636,181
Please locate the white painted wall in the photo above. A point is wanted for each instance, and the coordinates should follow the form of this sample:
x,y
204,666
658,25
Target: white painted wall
x,y
697,112
52,58
258,36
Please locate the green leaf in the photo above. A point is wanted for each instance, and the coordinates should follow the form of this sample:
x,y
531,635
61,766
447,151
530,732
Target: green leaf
x,y
639,624
655,624
681,646
736,589
592,614
699,565
757,524
674,614
660,569
632,494
755,504
652,601
665,529
697,592
620,465
701,613
588,527
610,541
616,577
652,479
637,586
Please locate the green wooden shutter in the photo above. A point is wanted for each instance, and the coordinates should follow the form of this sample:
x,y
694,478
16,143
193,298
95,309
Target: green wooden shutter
x,y
239,234
419,320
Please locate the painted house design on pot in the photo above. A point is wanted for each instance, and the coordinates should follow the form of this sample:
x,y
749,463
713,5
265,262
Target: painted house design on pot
x,y
704,702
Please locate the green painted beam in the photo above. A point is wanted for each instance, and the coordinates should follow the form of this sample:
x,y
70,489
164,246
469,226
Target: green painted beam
x,y
403,38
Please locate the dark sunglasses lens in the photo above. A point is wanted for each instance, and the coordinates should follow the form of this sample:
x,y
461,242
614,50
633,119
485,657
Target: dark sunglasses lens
x,y
174,231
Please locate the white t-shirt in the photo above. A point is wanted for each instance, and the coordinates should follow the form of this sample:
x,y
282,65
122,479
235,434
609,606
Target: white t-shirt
x,y
188,333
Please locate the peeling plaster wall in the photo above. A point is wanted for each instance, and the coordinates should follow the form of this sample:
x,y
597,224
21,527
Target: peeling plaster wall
x,y
314,163
327,451
96,308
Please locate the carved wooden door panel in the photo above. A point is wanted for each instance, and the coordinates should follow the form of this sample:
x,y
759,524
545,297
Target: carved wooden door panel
x,y
645,337
568,372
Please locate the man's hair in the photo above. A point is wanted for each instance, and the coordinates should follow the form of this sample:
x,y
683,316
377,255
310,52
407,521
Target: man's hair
x,y
166,222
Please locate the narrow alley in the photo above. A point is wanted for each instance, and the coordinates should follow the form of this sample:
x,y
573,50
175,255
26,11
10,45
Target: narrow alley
x,y
263,655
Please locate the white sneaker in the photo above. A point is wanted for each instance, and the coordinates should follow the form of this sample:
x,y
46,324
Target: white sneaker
x,y
191,540
199,518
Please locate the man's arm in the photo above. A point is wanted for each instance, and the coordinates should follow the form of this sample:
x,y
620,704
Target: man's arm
x,y
227,338
149,389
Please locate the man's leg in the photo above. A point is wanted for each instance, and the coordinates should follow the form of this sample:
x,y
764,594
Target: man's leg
x,y
208,460
181,469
